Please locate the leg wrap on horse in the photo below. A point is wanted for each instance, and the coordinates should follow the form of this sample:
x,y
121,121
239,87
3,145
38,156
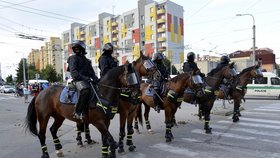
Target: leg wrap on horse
x,y
130,132
168,132
148,124
57,144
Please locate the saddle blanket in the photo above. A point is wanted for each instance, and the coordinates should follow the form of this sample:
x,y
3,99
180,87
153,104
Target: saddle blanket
x,y
68,96
150,91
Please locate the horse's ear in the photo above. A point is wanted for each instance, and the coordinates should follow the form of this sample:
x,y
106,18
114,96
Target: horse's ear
x,y
141,53
232,65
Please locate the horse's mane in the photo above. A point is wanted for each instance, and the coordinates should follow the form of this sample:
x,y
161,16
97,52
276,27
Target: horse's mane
x,y
248,69
142,56
178,77
112,73
213,71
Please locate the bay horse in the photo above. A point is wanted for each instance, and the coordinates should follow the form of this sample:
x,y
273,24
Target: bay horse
x,y
47,104
238,91
129,100
212,83
172,98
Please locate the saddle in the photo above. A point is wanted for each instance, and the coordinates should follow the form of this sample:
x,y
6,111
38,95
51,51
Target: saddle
x,y
151,92
69,96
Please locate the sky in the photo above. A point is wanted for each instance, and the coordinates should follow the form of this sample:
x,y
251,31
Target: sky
x,y
211,27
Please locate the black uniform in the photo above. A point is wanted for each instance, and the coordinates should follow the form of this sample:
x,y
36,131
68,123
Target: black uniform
x,y
189,66
82,73
161,67
106,62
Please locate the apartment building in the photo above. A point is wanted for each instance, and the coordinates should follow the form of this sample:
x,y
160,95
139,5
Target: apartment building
x,y
152,27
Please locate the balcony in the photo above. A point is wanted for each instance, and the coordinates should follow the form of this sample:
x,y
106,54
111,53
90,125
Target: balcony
x,y
115,31
160,11
162,20
160,30
83,39
82,32
161,39
162,48
114,24
115,39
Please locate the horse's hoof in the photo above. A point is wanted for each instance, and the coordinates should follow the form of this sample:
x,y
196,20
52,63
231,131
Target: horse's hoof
x,y
59,153
137,131
121,151
80,143
90,141
208,131
235,119
45,155
150,131
168,139
132,148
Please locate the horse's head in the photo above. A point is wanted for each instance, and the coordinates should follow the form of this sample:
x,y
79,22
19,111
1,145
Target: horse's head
x,y
129,77
144,65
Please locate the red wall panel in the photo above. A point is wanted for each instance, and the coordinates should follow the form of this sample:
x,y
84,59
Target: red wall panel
x,y
136,35
169,21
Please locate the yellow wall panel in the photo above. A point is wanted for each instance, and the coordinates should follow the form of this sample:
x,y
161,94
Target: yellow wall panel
x,y
169,54
148,32
179,37
181,57
123,31
106,39
136,51
97,56
172,33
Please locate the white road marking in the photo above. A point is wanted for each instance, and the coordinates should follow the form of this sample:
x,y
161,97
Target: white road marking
x,y
259,120
252,124
267,109
175,150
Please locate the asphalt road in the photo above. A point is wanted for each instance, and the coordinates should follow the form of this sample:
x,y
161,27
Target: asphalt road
x,y
256,135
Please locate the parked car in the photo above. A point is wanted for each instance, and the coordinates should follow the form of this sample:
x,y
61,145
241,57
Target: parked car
x,y
7,89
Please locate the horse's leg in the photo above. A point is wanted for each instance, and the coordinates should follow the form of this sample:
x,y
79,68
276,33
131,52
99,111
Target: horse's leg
x,y
146,116
80,128
43,122
200,111
87,135
123,115
235,116
168,124
58,120
207,109
173,120
130,131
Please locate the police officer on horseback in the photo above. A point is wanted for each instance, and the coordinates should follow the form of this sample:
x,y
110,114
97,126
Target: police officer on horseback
x,y
158,83
106,61
225,86
82,73
189,66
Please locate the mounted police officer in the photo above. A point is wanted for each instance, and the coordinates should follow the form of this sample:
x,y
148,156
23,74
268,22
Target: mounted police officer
x,y
106,61
158,84
82,73
189,66
225,86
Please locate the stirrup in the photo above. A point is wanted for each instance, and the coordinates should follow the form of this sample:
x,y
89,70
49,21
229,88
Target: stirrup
x,y
78,116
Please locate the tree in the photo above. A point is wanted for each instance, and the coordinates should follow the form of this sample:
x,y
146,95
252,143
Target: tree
x,y
9,79
167,63
49,74
19,71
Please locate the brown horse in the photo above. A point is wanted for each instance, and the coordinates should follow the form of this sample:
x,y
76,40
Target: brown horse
x,y
129,102
212,82
129,99
172,98
99,113
238,92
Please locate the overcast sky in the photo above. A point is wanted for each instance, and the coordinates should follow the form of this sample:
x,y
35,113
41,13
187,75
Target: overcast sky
x,y
211,26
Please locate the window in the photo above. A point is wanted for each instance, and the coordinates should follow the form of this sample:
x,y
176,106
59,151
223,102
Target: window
x,y
152,9
132,15
142,17
261,81
126,42
151,18
275,81
152,27
142,26
125,18
152,37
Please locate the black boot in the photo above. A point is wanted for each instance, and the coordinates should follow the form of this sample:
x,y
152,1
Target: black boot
x,y
82,101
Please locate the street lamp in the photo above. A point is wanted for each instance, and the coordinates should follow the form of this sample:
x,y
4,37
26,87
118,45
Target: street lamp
x,y
254,36
23,65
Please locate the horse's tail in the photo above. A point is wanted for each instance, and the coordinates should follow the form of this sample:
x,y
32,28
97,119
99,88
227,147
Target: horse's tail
x,y
139,114
31,118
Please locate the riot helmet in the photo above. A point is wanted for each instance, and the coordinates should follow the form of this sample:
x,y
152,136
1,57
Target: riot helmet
x,y
191,56
79,46
225,59
157,56
108,47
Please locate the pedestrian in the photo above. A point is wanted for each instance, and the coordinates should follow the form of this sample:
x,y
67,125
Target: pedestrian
x,y
26,92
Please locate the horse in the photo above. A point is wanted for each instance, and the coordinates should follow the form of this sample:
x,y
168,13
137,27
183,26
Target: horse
x,y
99,112
212,82
171,97
238,92
129,100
